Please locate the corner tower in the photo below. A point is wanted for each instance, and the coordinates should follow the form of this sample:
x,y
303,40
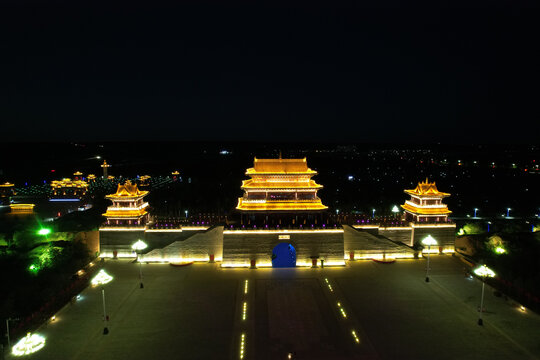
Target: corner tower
x,y
128,206
425,204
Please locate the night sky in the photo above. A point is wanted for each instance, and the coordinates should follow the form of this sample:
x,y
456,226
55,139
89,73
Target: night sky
x,y
201,70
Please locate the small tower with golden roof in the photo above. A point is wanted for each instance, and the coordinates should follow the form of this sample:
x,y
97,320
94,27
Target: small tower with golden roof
x,y
128,206
426,204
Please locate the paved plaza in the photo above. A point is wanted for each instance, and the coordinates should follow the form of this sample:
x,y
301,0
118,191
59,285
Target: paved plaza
x,y
365,310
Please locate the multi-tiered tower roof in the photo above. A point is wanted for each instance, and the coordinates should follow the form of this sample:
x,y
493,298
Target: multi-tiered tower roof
x,y
280,185
128,206
426,204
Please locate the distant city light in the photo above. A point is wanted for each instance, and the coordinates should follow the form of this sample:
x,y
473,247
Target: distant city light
x,y
395,209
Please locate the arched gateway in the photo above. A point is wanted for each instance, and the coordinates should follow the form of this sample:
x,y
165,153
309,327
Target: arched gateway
x,y
284,255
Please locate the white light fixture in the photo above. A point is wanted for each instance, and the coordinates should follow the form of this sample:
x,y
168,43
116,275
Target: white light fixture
x,y
428,241
28,345
484,272
101,278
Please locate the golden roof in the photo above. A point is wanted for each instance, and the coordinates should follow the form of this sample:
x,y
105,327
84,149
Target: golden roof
x,y
127,190
443,210
175,173
280,166
6,184
281,205
311,184
77,173
125,213
105,164
67,182
91,176
21,208
426,189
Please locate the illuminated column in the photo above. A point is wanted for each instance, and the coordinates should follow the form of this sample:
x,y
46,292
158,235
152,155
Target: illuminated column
x,y
138,247
484,272
105,171
103,278
429,240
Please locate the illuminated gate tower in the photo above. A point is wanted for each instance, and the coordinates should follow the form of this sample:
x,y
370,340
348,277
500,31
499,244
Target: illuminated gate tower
x,y
128,206
426,204
280,187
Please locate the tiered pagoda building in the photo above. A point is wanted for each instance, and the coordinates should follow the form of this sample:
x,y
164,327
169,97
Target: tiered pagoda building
x,y
426,204
68,189
280,186
128,206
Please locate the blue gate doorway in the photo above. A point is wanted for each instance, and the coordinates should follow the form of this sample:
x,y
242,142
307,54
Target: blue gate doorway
x,y
284,255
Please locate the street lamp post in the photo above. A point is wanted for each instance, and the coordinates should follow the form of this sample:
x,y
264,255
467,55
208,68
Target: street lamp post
x,y
138,247
475,211
508,212
7,333
373,213
428,241
103,278
484,272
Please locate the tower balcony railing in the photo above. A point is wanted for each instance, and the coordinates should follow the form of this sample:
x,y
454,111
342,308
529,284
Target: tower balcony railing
x,y
262,226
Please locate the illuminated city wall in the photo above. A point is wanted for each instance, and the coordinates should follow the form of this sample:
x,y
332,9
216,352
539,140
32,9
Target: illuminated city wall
x,y
363,244
199,246
240,247
445,234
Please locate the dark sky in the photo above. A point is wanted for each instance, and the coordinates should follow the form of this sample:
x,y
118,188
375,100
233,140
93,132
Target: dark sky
x,y
225,70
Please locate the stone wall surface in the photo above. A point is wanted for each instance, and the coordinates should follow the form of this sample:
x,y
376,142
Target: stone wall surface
x,y
363,244
445,236
199,246
242,247
402,235
121,241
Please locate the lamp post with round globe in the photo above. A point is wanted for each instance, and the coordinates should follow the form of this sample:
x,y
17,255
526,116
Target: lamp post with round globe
x,y
138,247
428,241
103,278
484,272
